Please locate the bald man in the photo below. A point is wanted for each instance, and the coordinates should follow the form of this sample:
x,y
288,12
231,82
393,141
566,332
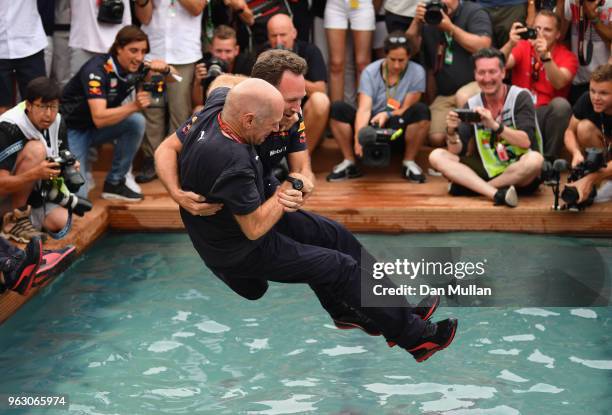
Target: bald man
x,y
316,104
241,245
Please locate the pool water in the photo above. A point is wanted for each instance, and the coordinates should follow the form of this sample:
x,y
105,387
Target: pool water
x,y
139,326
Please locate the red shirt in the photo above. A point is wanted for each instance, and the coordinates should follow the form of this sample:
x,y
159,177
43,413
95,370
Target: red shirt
x,y
526,63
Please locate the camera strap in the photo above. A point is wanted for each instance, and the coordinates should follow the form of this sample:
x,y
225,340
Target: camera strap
x,y
64,231
583,25
448,50
12,149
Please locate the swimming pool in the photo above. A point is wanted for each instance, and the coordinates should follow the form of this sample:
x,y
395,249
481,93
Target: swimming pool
x,y
138,326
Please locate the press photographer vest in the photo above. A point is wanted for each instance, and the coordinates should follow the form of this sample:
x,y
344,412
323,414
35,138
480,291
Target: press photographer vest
x,y
18,116
485,139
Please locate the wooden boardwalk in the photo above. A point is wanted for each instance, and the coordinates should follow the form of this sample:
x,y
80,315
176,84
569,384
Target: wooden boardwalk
x,y
381,201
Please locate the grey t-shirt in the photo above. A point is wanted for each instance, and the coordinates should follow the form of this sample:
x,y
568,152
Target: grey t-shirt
x,y
373,85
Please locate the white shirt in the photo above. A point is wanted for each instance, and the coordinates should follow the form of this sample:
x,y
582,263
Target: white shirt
x,y
601,53
21,30
406,8
89,34
174,33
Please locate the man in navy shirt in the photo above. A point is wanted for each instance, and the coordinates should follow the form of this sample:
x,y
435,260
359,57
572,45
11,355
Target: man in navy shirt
x,y
95,112
240,242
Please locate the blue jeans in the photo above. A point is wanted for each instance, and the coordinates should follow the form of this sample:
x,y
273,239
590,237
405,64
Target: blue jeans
x,y
126,135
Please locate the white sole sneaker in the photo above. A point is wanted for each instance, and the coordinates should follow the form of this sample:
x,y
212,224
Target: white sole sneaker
x,y
113,196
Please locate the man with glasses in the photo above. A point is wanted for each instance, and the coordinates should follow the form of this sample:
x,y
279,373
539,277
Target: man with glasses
x,y
546,68
29,133
389,96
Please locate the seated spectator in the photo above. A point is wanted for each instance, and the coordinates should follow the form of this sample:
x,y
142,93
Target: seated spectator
x,y
95,112
20,271
29,133
22,44
389,93
505,138
546,68
315,106
447,47
591,28
591,126
224,46
181,49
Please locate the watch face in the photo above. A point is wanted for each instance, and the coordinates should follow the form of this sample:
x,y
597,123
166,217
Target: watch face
x,y
297,184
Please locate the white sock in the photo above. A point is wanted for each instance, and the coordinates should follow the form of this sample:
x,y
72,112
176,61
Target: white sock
x,y
412,166
345,163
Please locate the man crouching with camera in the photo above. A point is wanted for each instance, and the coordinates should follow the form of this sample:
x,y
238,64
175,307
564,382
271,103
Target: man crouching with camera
x,y
501,124
588,139
93,104
36,168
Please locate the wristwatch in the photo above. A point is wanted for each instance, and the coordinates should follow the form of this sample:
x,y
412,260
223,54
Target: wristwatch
x,y
297,184
500,129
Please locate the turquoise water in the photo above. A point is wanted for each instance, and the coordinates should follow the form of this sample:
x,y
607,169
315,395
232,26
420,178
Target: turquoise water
x,y
138,326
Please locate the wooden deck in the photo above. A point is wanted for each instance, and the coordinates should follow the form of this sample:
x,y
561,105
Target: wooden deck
x,y
381,201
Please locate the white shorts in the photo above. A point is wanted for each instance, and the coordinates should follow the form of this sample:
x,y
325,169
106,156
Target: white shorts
x,y
339,14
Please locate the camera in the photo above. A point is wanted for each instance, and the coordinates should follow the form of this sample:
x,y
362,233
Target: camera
x,y
72,178
594,160
531,33
433,12
375,142
111,11
466,115
214,67
56,191
156,87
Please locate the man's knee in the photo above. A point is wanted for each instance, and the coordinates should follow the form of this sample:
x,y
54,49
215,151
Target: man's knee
x,y
437,157
561,108
135,124
532,162
586,131
34,150
318,104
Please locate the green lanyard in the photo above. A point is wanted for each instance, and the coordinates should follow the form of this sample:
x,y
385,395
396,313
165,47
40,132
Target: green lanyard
x,y
390,90
448,51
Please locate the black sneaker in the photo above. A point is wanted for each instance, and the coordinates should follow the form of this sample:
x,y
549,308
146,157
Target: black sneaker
x,y
19,271
354,319
506,196
148,172
435,337
424,309
120,191
412,176
344,171
455,189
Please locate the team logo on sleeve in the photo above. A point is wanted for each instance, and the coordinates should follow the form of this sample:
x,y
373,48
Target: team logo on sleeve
x,y
108,66
189,124
94,87
302,132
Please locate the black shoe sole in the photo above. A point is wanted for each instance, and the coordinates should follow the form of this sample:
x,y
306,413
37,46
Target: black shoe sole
x,y
423,355
432,309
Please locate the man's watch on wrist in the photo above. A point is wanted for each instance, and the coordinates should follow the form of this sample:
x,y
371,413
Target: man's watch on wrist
x,y
297,184
546,57
500,129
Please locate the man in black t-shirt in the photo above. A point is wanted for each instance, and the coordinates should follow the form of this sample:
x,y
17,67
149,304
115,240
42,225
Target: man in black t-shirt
x,y
591,126
241,243
316,105
93,105
447,50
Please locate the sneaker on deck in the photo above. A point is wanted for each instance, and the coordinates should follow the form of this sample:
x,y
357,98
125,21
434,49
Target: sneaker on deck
x,y
130,182
120,191
19,271
436,337
506,196
17,225
413,173
343,171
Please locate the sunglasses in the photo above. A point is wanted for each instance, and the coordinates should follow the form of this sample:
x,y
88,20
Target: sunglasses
x,y
398,39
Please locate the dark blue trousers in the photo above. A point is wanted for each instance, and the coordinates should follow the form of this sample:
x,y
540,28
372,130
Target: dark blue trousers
x,y
308,248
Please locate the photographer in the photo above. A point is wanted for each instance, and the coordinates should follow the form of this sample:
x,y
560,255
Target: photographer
x,y
591,34
29,134
546,68
591,127
95,112
389,94
450,31
501,125
224,48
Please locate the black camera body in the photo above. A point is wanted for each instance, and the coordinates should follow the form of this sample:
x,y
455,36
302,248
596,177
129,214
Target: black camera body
x,y
376,145
111,11
467,115
433,12
72,178
214,67
594,160
531,33
156,86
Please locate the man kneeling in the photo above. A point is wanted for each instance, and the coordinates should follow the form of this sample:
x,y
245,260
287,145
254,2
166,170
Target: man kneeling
x,y
504,133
